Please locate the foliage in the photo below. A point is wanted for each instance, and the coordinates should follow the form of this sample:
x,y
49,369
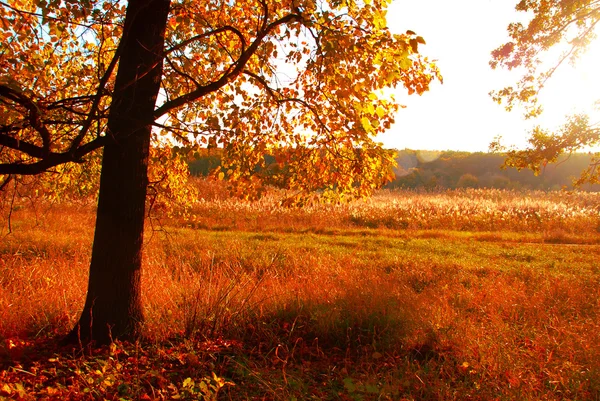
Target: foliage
x,y
567,24
248,77
467,181
169,191
120,371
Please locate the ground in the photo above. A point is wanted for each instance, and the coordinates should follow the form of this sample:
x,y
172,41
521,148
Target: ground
x,y
477,294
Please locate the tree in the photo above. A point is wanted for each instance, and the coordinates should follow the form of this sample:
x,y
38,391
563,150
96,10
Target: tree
x,y
302,80
565,23
467,180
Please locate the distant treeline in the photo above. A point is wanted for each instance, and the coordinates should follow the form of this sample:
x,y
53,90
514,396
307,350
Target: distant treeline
x,y
452,169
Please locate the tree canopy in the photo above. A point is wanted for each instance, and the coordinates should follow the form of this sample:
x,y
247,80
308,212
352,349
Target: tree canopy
x,y
248,76
566,24
303,81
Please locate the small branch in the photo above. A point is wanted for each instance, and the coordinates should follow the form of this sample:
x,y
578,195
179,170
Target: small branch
x,y
34,113
11,208
70,102
577,19
181,73
564,57
174,129
97,98
204,35
265,19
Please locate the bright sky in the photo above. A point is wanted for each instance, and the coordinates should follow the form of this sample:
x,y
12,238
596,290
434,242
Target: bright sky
x,y
460,115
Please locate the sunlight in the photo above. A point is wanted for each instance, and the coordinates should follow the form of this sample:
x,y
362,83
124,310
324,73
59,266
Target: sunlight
x,y
460,114
575,88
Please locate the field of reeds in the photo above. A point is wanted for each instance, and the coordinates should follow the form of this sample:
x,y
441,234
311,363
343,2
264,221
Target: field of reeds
x,y
460,295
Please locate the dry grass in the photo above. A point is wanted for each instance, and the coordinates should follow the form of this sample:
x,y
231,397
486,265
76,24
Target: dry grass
x,y
344,302
551,214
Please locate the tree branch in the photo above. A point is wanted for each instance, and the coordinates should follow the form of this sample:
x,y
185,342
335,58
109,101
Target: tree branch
x,y
265,19
181,73
97,98
34,114
225,28
278,99
234,71
565,56
23,146
52,160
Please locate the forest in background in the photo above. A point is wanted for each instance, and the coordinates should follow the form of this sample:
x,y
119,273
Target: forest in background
x,y
456,169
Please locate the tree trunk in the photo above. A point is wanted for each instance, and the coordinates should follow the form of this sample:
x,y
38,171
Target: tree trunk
x,y
113,306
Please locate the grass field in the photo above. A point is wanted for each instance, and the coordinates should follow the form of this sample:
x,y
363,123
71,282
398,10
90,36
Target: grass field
x,y
460,295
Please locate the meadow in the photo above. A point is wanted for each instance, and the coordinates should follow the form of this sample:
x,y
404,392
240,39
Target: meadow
x,y
410,295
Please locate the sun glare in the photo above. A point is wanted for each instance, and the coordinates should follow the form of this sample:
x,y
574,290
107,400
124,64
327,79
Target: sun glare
x,y
575,88
460,114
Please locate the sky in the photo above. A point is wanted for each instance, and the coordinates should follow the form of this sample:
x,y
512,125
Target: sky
x,y
459,114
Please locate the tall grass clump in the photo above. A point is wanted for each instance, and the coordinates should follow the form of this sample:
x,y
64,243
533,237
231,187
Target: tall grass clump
x,y
43,270
190,292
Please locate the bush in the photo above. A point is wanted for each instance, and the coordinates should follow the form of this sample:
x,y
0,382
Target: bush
x,y
467,181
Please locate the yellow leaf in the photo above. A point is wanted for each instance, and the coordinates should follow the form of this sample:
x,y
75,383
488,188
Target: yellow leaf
x,y
366,124
379,20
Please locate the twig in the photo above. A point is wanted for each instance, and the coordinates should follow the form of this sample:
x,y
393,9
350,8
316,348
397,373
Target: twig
x,y
10,209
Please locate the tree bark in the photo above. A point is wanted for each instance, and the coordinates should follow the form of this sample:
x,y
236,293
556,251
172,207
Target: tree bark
x,y
113,306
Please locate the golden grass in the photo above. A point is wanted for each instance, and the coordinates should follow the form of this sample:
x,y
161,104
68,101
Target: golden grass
x,y
344,302
551,214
